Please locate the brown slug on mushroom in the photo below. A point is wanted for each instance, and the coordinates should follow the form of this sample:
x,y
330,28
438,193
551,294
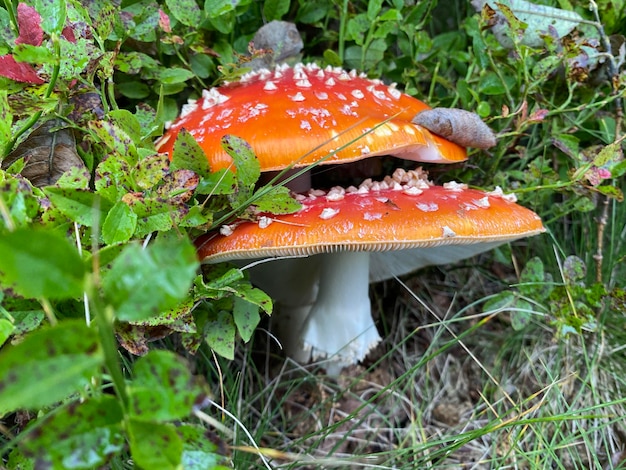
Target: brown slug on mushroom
x,y
457,125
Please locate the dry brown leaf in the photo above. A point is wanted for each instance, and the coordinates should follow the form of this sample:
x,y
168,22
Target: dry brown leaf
x,y
48,154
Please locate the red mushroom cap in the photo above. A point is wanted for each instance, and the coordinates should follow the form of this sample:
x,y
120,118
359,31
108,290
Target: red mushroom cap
x,y
306,111
398,213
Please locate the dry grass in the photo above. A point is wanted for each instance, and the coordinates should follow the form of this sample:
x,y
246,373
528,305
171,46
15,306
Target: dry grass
x,y
450,387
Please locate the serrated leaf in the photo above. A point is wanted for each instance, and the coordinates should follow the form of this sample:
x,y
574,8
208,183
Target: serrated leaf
x,y
609,155
220,334
116,139
125,120
245,161
611,191
246,316
152,215
81,206
48,366
144,282
119,224
219,285
276,200
112,177
178,186
162,389
83,435
155,445
40,264
221,182
253,295
150,170
189,155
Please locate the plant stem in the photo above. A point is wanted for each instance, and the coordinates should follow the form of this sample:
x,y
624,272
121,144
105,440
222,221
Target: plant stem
x,y
104,320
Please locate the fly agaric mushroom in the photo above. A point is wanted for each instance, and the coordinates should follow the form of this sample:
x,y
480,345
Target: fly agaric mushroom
x,y
347,237
306,114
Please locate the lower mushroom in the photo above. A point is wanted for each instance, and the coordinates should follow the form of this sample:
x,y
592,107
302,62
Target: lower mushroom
x,y
344,238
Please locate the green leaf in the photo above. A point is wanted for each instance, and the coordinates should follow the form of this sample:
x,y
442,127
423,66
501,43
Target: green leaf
x,y
532,274
119,224
27,320
6,119
41,264
574,269
53,14
48,365
521,313
80,436
116,139
163,388
6,329
277,200
152,216
373,9
33,54
246,163
221,182
143,282
217,8
220,284
186,11
155,445
174,75
113,179
491,84
199,453
275,9
502,301
127,121
189,155
253,295
220,334
81,206
246,316
150,170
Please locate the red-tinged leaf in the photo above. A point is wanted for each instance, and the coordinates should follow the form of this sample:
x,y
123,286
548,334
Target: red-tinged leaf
x,y
538,115
29,23
68,33
164,22
18,71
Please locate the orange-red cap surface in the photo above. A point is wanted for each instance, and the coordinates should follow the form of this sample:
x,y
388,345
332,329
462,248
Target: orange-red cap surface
x,y
308,112
391,218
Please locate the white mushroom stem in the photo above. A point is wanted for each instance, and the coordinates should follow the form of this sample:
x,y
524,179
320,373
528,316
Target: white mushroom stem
x,y
339,328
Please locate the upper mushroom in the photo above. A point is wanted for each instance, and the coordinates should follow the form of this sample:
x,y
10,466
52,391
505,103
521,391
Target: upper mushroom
x,y
300,115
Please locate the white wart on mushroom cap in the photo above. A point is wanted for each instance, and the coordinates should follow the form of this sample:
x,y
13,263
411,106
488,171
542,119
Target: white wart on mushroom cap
x,y
348,236
300,115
